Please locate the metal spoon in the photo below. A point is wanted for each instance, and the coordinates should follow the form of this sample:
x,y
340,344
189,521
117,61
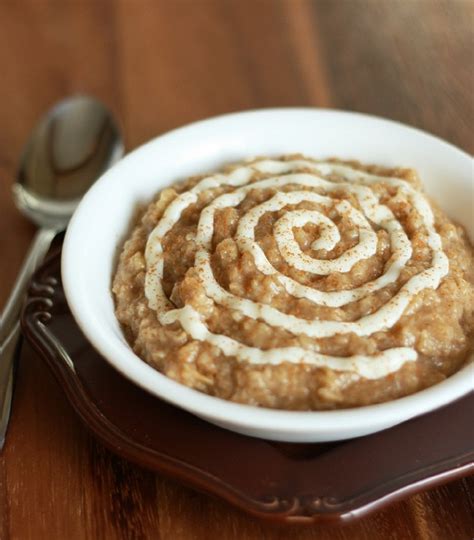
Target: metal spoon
x,y
73,144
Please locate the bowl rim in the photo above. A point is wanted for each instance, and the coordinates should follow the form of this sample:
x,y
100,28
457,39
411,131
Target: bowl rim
x,y
221,410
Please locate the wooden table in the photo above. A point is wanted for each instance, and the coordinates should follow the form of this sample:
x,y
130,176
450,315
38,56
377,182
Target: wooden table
x,y
161,64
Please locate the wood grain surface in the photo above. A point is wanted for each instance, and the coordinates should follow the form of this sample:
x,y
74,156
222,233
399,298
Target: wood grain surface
x,y
158,65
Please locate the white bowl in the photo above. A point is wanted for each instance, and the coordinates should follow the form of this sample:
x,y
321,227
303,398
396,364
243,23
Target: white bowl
x,y
97,230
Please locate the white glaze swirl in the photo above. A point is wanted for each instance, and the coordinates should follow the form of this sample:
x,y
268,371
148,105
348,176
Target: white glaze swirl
x,y
356,183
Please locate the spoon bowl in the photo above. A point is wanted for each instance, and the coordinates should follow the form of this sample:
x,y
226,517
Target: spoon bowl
x,y
72,145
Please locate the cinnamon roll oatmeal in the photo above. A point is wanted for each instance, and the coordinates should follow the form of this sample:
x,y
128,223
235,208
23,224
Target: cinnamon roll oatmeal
x,y
293,283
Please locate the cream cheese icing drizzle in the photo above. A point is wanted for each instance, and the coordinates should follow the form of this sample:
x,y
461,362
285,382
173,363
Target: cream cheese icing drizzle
x,y
355,182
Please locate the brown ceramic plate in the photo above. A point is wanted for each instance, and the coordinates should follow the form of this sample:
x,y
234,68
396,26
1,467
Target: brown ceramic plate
x,y
281,482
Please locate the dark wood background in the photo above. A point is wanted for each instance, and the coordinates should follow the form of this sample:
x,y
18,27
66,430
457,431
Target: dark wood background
x,y
161,64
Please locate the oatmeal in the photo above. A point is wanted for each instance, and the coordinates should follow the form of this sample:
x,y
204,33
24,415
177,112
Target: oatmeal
x,y
298,284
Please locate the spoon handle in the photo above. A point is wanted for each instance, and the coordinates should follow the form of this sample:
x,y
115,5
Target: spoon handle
x,y
10,327
38,249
